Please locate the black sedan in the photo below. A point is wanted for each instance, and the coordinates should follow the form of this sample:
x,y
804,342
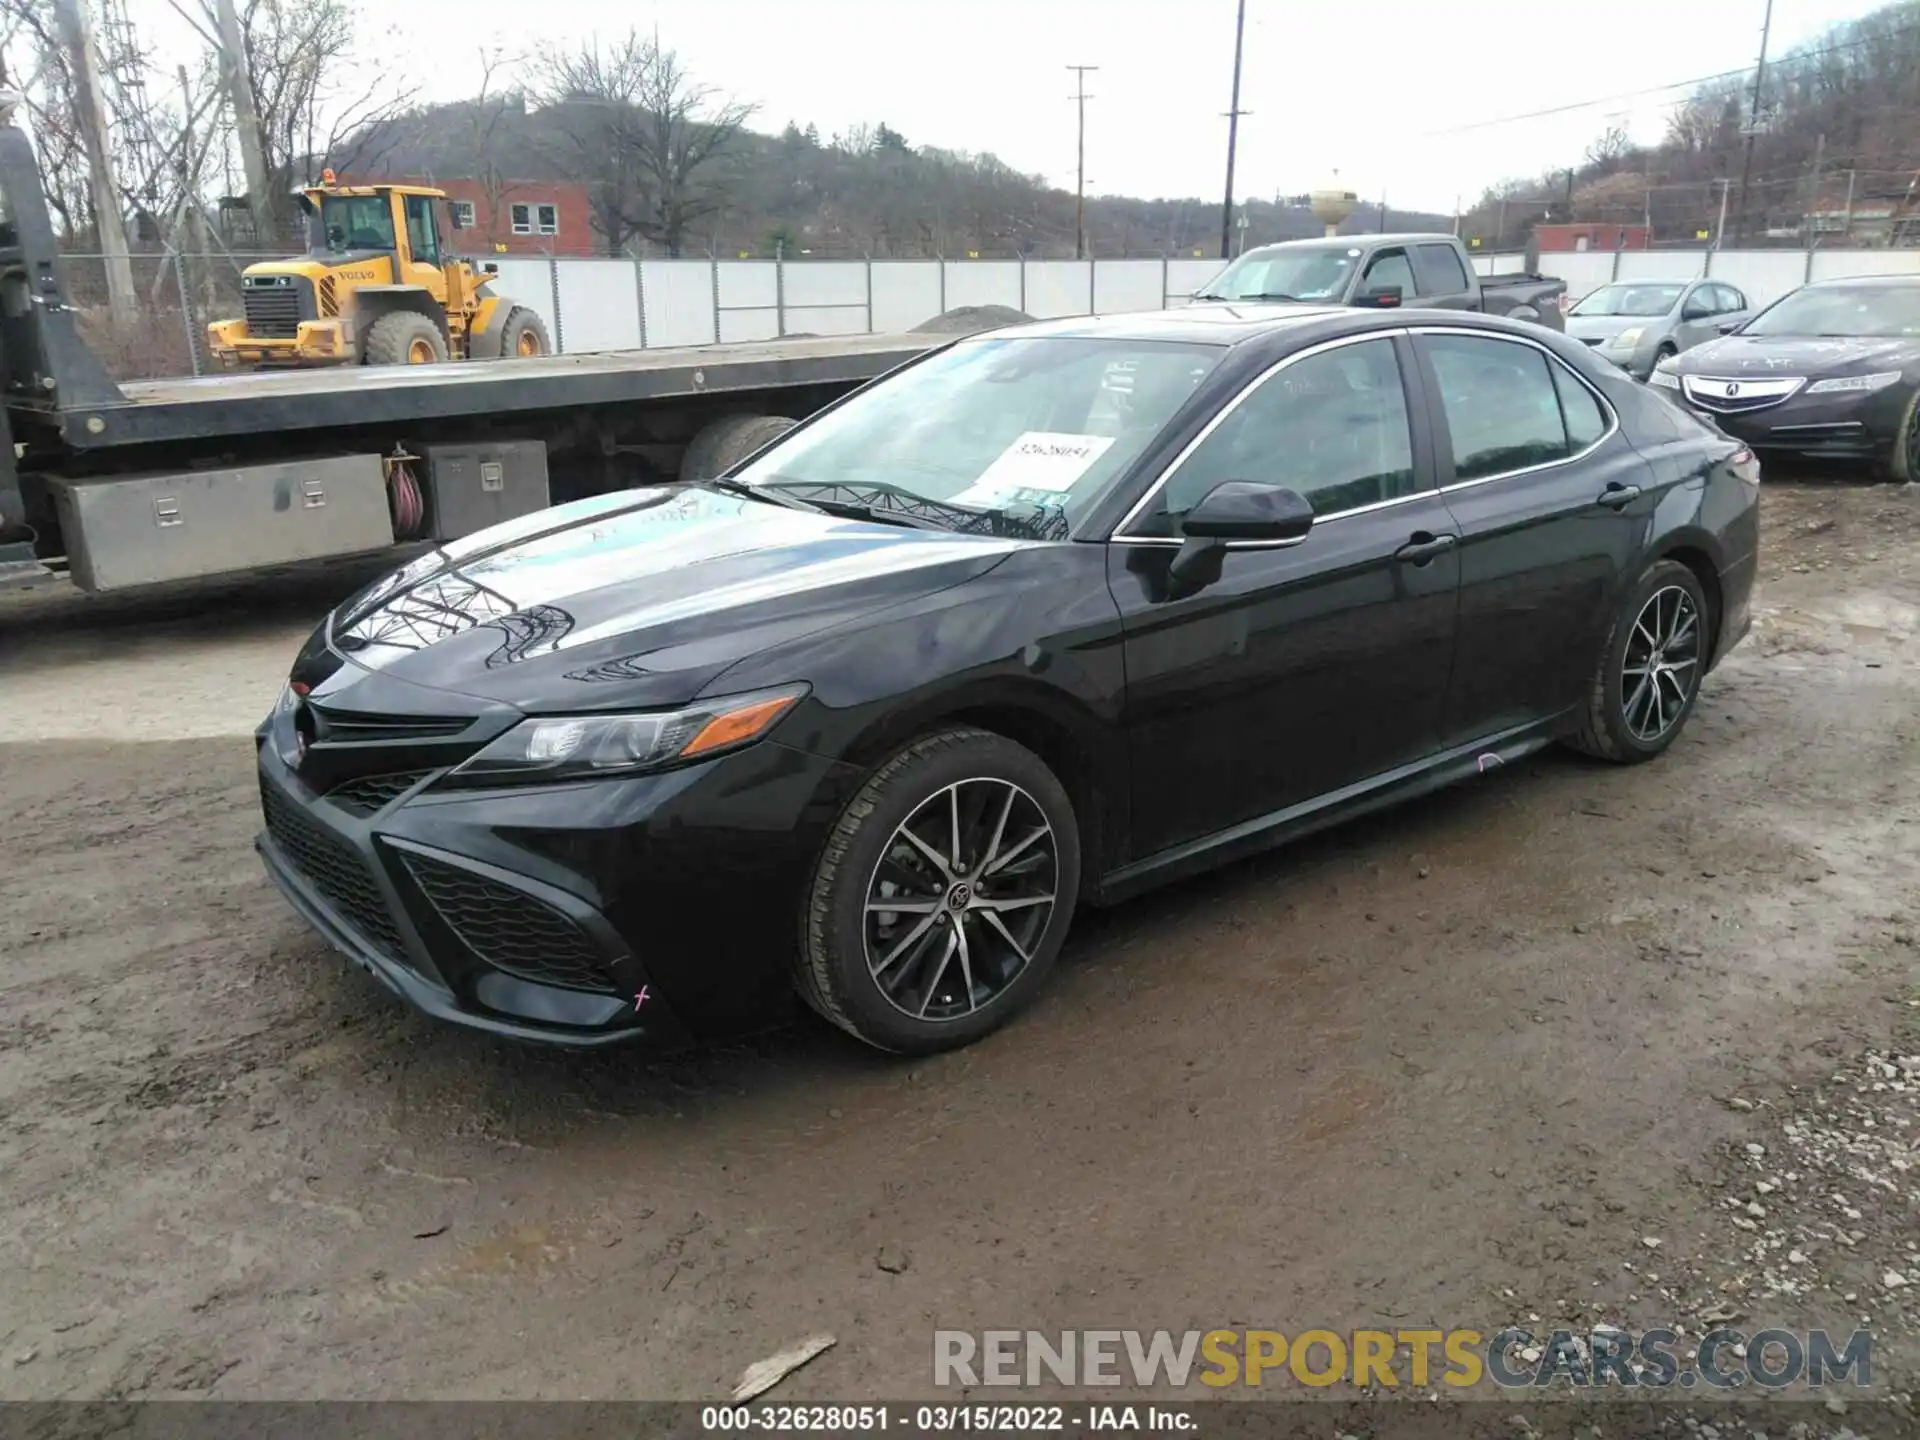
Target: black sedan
x,y
1044,618
1830,371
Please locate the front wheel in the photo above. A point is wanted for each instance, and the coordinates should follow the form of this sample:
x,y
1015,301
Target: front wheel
x,y
1649,673
942,896
1903,466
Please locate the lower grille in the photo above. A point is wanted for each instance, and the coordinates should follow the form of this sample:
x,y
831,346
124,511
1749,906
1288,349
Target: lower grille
x,y
373,793
511,931
273,312
333,868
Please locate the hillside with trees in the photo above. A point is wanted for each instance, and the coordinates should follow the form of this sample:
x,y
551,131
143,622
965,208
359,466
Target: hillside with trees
x,y
1835,153
673,166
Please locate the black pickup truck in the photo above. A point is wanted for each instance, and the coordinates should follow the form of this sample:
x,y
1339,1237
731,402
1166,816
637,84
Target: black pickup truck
x,y
1433,272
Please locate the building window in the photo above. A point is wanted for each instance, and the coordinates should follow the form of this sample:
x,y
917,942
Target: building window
x,y
536,219
462,214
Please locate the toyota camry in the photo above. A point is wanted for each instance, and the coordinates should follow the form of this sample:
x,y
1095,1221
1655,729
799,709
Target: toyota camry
x,y
1046,617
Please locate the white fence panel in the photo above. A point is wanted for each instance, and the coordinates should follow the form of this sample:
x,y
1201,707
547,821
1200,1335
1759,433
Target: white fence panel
x,y
1058,287
982,282
1765,275
600,305
905,293
817,284
680,303
1186,276
1120,286
1582,272
749,300
827,319
1838,264
1662,264
1501,264
528,281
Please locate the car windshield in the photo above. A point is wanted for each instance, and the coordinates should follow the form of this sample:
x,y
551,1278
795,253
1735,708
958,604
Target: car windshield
x,y
1644,300
1311,272
1030,430
1842,310
357,222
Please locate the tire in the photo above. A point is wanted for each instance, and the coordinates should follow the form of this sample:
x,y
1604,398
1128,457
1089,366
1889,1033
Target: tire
x,y
524,336
1903,466
725,442
403,338
1618,724
865,970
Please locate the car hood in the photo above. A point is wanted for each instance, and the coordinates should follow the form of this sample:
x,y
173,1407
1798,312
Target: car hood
x,y
1605,327
634,599
1763,355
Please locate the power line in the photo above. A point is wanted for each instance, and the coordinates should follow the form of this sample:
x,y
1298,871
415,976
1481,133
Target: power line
x,y
1081,97
1796,58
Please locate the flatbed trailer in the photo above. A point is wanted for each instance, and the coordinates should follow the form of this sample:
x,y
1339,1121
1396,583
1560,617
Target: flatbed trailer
x,y
126,484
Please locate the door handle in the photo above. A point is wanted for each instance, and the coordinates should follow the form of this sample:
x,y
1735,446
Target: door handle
x,y
1424,546
1617,496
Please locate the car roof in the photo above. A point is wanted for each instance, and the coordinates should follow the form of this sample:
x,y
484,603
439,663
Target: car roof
x,y
1355,242
1228,324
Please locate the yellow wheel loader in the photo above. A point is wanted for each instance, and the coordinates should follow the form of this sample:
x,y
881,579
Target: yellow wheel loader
x,y
376,287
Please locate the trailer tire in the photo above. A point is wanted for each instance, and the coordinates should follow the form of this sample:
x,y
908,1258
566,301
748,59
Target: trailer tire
x,y
406,337
725,442
524,336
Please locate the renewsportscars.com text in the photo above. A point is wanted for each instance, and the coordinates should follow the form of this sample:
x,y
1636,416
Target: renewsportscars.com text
x,y
1513,1358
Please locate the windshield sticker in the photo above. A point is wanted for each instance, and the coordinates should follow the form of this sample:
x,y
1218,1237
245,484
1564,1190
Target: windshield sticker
x,y
1038,468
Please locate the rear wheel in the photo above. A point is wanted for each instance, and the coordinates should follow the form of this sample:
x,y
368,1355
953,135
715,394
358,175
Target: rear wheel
x,y
524,336
725,442
942,896
405,337
1649,673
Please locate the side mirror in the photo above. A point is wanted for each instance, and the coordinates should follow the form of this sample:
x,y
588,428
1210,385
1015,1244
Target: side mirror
x,y
1236,510
491,268
1380,297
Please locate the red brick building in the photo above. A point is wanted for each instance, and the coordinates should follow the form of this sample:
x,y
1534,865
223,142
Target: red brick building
x,y
525,217
1591,235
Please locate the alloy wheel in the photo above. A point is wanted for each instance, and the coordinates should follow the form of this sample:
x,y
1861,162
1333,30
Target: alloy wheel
x,y
960,899
1662,664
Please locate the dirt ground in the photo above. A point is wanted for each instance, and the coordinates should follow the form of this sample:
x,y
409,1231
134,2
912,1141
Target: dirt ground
x,y
1567,1044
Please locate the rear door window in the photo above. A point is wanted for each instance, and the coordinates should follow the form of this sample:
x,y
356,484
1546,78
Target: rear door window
x,y
1441,272
1501,404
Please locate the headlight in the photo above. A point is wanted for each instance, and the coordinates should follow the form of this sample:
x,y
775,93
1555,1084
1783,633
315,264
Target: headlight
x,y
1665,379
1854,383
570,747
1627,339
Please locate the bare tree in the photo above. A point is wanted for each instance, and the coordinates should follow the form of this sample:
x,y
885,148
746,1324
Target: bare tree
x,y
651,142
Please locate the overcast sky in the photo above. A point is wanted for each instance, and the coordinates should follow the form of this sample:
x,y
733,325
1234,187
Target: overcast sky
x,y
1365,87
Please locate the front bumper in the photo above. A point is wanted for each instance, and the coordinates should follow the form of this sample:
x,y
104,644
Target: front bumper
x,y
1838,427
315,342
657,909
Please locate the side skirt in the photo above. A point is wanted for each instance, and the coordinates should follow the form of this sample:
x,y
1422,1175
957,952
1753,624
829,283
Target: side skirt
x,y
1280,827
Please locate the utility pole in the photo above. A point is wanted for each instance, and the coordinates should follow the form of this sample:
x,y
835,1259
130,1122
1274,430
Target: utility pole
x,y
246,116
1720,230
1233,129
1080,167
1812,206
1753,126
83,64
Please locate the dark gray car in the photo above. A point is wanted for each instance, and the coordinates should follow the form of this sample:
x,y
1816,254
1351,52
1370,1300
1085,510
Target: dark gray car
x,y
1638,323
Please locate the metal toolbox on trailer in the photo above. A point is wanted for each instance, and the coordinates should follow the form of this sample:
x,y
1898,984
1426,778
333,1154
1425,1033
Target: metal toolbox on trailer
x,y
147,529
472,486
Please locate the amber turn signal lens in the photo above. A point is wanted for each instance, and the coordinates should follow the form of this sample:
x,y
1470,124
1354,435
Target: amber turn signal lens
x,y
738,726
